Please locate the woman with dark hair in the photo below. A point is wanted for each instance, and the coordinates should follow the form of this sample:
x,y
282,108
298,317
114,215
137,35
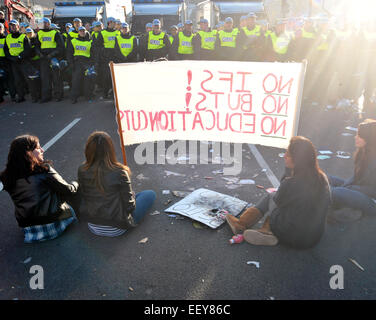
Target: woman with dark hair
x,y
108,203
39,193
296,213
359,191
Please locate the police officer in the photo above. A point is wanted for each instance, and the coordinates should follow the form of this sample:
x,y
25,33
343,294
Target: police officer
x,y
182,47
173,33
278,43
35,61
126,45
17,49
254,39
180,27
104,47
228,45
97,28
51,48
79,54
204,42
65,34
77,23
155,44
118,25
6,76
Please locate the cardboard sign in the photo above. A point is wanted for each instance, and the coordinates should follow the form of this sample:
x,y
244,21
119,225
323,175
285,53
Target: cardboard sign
x,y
227,101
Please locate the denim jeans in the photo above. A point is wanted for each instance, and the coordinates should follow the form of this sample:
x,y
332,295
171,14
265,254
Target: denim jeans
x,y
144,201
349,197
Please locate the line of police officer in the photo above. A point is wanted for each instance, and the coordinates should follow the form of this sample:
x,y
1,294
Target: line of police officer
x,y
41,58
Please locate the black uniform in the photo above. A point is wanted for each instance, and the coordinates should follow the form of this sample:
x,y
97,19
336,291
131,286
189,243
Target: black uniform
x,y
79,65
51,79
6,83
21,68
103,57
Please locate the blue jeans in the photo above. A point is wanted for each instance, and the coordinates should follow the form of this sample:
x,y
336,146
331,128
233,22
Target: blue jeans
x,y
349,197
144,201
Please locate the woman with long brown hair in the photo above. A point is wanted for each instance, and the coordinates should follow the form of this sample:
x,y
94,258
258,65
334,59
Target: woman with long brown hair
x,y
40,195
296,213
108,203
359,191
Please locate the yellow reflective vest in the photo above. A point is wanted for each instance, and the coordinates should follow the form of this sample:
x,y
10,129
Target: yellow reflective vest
x,y
208,39
109,38
228,39
125,45
47,39
156,41
185,44
81,48
15,45
280,43
2,42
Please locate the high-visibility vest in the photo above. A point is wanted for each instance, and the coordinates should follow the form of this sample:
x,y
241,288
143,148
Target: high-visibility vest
x,y
15,45
109,38
255,32
81,48
185,44
171,39
208,39
2,42
94,34
47,39
65,39
73,35
125,45
324,44
308,35
156,41
280,43
228,39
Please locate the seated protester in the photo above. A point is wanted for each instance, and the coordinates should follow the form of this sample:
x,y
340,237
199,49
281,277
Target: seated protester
x,y
80,57
296,213
39,193
359,191
126,45
108,203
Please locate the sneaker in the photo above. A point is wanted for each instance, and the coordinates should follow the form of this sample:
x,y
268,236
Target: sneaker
x,y
258,238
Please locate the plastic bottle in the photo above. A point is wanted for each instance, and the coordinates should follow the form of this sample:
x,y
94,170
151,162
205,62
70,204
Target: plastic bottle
x,y
237,239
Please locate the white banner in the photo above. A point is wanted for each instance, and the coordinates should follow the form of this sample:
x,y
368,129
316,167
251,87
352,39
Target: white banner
x,y
240,102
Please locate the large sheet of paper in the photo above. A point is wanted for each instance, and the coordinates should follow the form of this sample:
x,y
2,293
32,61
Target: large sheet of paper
x,y
200,203
227,101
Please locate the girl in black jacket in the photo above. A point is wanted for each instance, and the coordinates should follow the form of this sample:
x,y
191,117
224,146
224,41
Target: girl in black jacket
x,y
359,191
297,211
109,204
39,193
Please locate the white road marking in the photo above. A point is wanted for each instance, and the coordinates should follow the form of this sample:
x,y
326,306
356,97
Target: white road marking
x,y
261,161
60,134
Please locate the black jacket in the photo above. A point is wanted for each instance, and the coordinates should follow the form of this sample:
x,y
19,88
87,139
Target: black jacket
x,y
41,198
111,208
300,217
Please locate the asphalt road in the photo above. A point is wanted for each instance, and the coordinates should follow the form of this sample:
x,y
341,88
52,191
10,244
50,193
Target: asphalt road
x,y
179,261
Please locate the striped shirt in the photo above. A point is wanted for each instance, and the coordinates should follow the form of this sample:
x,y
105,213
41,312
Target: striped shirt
x,y
105,231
